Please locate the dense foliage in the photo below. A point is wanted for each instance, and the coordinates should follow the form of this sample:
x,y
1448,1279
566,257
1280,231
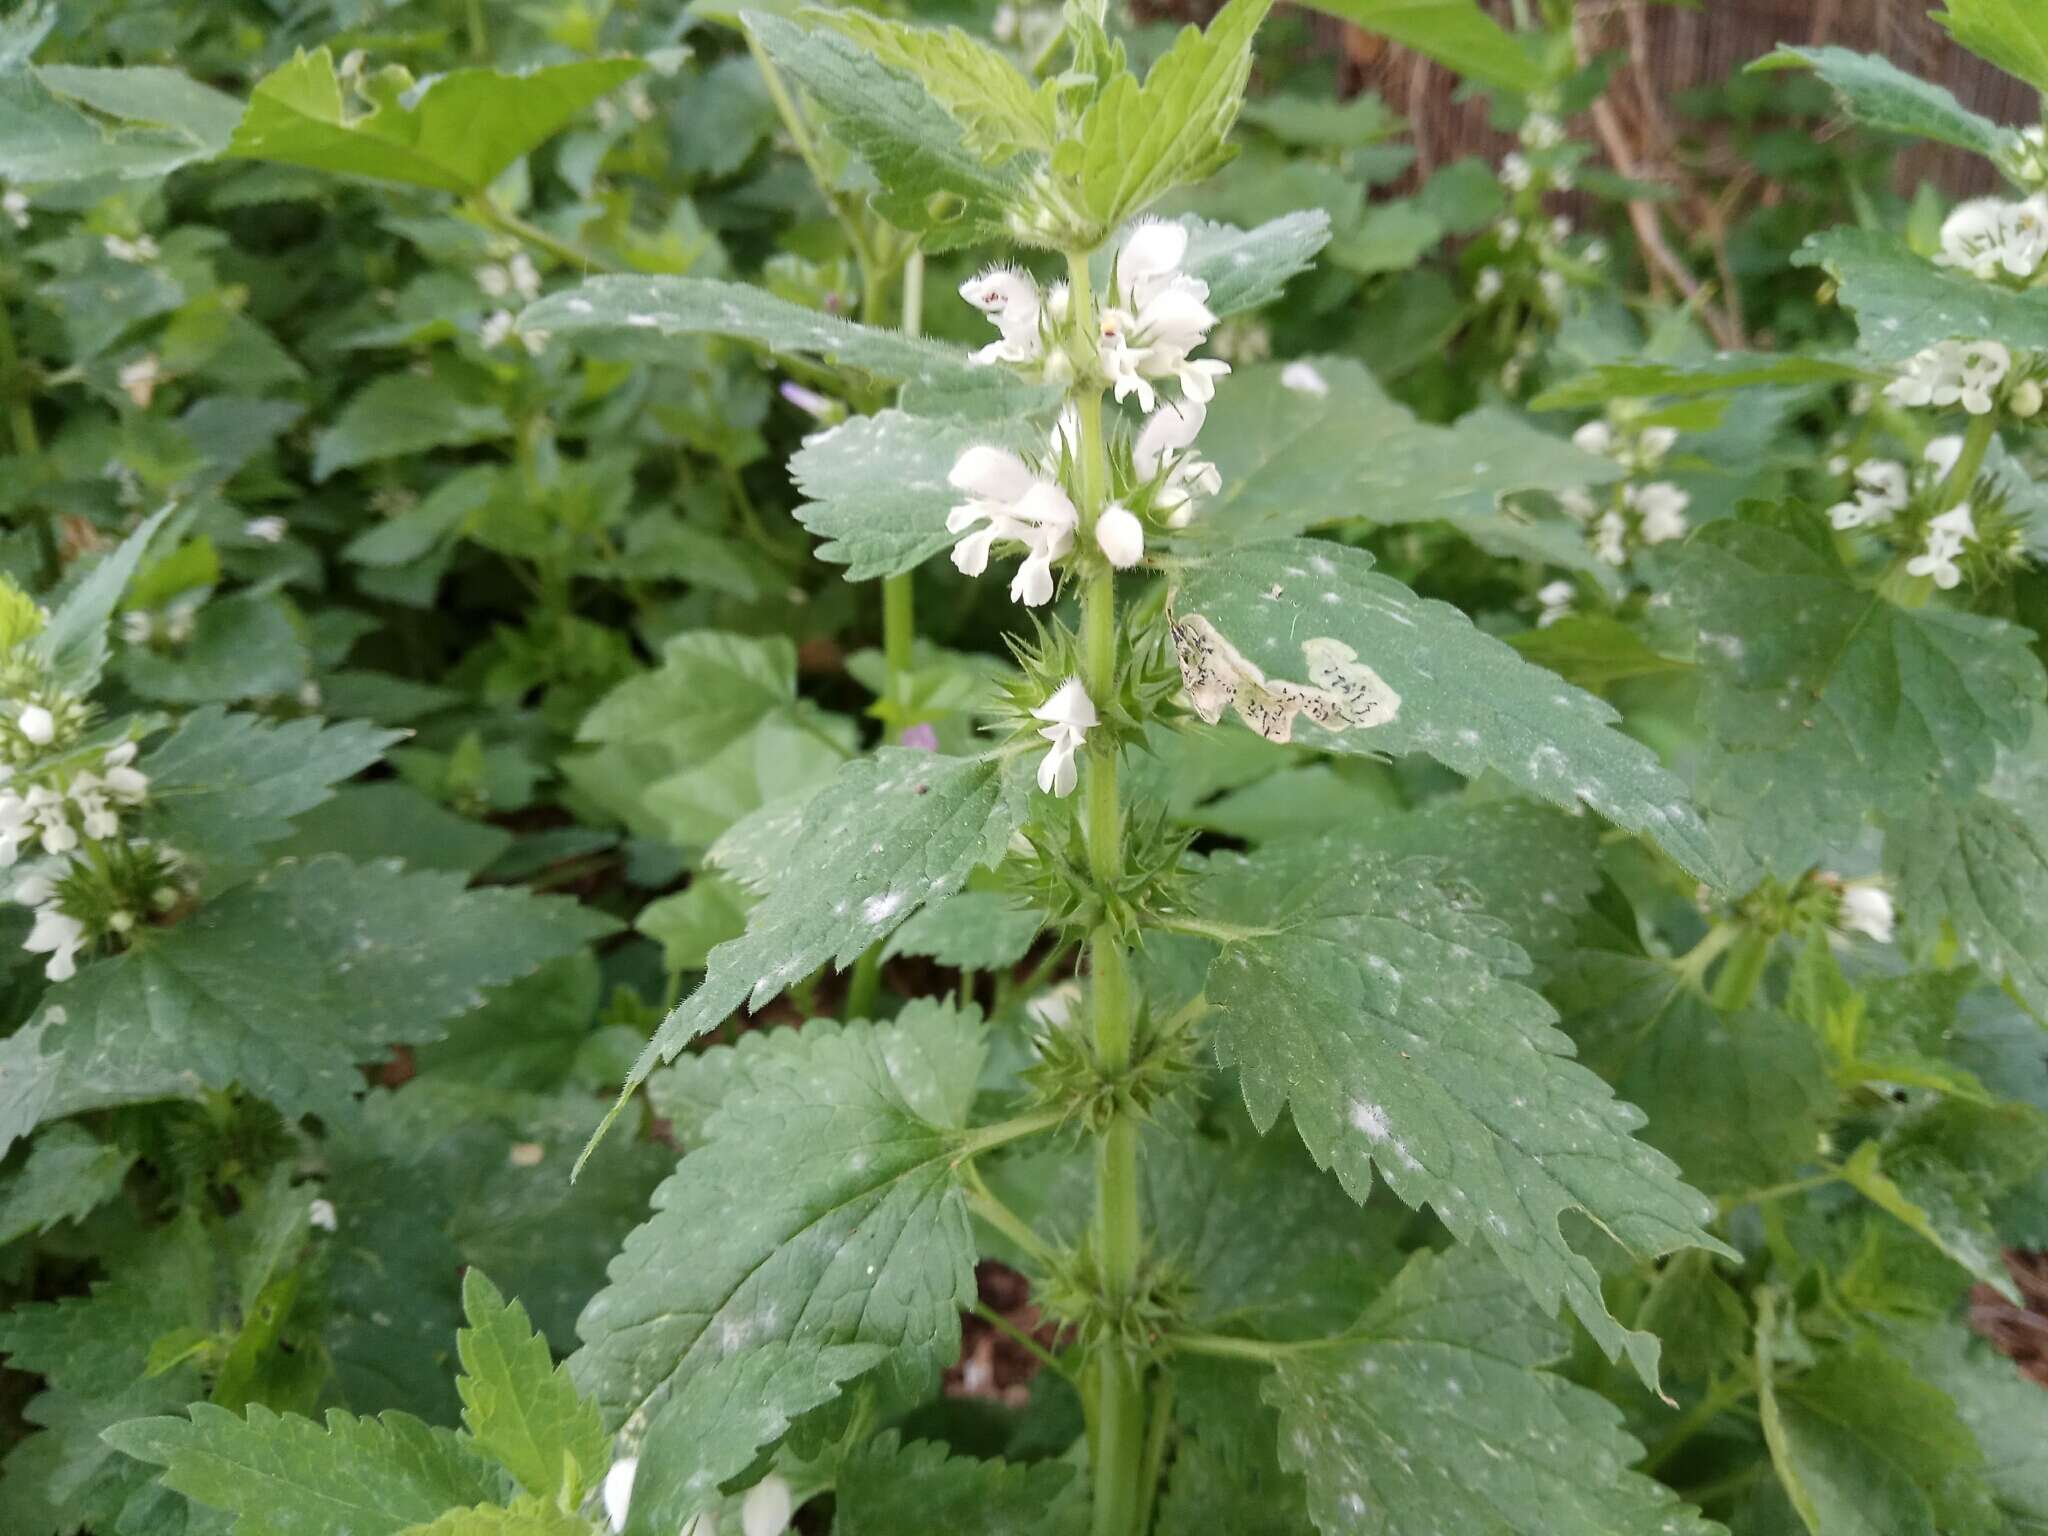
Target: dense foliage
x,y
1055,680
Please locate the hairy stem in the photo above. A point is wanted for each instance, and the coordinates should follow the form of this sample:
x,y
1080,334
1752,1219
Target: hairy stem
x,y
1118,1379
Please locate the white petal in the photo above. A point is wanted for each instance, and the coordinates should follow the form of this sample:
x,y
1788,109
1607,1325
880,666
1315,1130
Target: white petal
x,y
618,1491
767,1508
994,474
1121,537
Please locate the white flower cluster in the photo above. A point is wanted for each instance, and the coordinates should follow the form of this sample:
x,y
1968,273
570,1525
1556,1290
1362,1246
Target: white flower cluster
x,y
1946,536
175,624
1965,373
1641,511
1884,488
1155,317
1990,238
60,815
767,1509
1069,715
14,206
140,251
1866,908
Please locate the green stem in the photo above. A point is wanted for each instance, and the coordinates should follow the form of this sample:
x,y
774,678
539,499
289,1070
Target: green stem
x,y
1976,444
1744,970
1023,1340
864,990
509,223
1118,1377
479,39
1161,1410
899,599
1693,964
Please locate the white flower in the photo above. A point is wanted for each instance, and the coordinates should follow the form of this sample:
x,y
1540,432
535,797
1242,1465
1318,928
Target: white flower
x,y
53,823
1515,173
1610,534
1155,317
1660,510
37,724
1487,286
1950,373
1881,490
495,281
322,1215
33,890
1556,598
1946,536
1653,443
1009,500
1578,504
101,820
1540,130
496,329
1509,230
767,1508
618,1491
60,936
1943,453
1069,714
524,277
1304,379
1594,437
1164,456
1595,252
1987,236
1121,536
17,825
1010,299
139,378
266,530
1866,908
1553,286
1561,228
14,204
137,251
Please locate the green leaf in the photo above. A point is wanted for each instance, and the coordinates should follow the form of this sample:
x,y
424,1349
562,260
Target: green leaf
x,y
68,1174
1825,702
826,1205
1981,868
1738,1100
526,1518
73,645
1367,995
892,833
1003,113
244,646
385,819
519,1406
930,179
1720,374
711,1430
456,131
975,931
69,123
2005,1412
886,1488
355,958
1293,460
1595,651
876,489
1433,1415
1878,94
696,920
694,306
1309,612
1864,1447
1453,32
1248,268
398,415
1903,303
1137,143
281,1475
2013,34
222,785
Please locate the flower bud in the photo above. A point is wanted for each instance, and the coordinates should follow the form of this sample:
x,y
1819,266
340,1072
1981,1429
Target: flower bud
x,y
2026,399
1121,536
767,1509
37,724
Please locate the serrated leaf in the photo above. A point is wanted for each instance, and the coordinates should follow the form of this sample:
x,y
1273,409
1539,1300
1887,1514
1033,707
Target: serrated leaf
x,y
975,931
69,123
1903,303
1878,94
1247,268
285,984
695,306
1003,113
1864,1447
886,1488
73,645
1453,32
1300,609
1595,651
280,1475
1720,374
876,489
398,415
520,1407
1292,460
2004,1411
1136,143
244,646
2013,34
1825,702
712,1428
1981,867
930,179
1366,995
1737,1100
67,1175
823,1208
455,131
222,785
1434,1415
890,834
